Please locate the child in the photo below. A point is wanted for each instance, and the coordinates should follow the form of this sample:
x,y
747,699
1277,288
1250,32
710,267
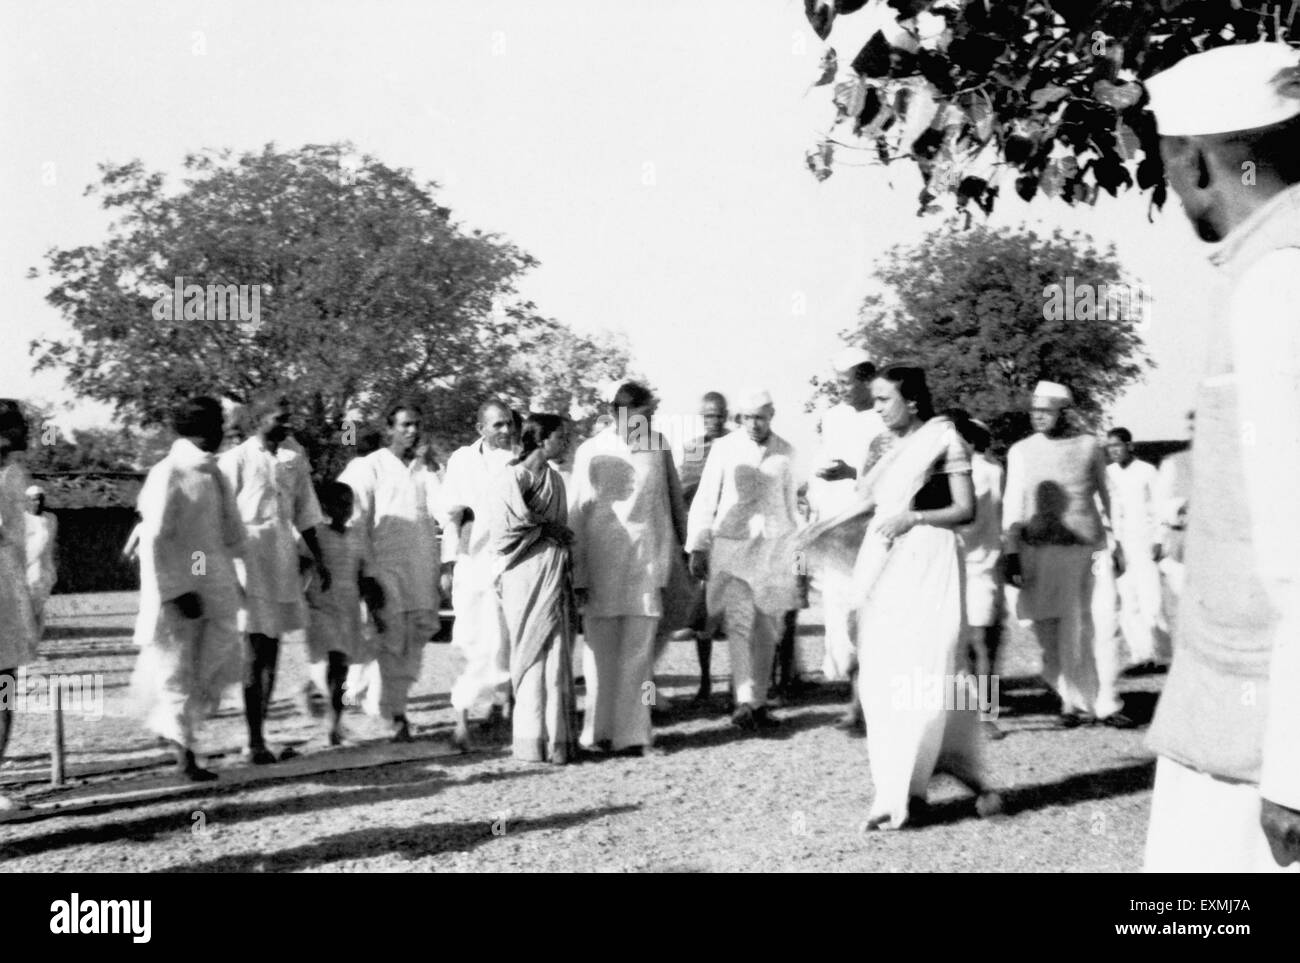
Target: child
x,y
335,630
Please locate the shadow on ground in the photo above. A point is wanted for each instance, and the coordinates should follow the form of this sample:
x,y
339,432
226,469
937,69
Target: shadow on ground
x,y
411,842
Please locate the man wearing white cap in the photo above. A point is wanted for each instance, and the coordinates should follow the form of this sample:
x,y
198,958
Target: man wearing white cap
x,y
1055,552
42,531
739,533
847,430
1227,731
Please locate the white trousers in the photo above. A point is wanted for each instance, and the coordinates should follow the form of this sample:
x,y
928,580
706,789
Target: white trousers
x,y
1140,610
752,636
1200,824
620,687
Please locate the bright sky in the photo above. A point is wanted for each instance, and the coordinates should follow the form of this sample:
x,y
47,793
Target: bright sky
x,y
649,153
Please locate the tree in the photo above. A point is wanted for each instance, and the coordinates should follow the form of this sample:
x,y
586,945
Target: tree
x,y
1045,89
318,273
988,313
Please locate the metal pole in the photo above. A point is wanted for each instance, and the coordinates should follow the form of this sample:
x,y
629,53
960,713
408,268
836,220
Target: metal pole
x,y
56,759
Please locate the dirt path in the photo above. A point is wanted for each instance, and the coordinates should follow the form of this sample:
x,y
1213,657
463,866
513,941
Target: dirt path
x,y
715,800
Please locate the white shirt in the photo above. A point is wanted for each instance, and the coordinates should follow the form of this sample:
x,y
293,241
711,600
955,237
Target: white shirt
x,y
1133,504
745,515
622,525
467,483
395,508
190,529
846,435
276,501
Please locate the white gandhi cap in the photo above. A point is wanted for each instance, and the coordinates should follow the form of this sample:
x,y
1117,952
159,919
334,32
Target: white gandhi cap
x,y
1238,87
1054,395
751,402
850,358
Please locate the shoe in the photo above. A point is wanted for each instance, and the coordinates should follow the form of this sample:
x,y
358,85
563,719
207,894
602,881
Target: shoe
x,y
1117,720
991,731
1070,720
287,753
336,737
918,808
764,719
258,756
743,719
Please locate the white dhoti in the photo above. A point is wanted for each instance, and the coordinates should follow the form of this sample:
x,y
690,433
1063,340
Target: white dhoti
x,y
620,688
185,665
479,635
1201,824
401,650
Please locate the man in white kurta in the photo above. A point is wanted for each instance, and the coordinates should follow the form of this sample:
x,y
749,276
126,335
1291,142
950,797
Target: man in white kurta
x,y
479,631
42,537
271,482
622,553
188,624
1227,729
1132,483
740,534
396,504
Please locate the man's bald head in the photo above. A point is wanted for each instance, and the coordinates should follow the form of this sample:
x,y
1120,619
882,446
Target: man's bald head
x,y
496,424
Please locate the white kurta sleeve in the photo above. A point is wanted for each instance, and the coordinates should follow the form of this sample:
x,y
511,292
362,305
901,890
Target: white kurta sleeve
x,y
1265,329
704,509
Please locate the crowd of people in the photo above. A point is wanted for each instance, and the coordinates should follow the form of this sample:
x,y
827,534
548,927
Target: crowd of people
x,y
915,538
624,547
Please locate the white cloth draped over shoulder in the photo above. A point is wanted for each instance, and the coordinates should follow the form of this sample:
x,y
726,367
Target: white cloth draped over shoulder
x,y
910,622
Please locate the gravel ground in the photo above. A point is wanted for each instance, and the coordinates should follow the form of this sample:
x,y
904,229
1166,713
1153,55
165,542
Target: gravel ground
x,y
714,800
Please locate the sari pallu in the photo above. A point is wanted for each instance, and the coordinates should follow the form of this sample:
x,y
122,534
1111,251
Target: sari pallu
x,y
910,597
534,582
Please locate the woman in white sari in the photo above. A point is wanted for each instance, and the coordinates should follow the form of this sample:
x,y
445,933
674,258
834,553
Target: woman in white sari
x,y
908,581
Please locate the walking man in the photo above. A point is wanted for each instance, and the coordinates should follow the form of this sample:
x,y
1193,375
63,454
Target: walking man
x,y
396,501
188,624
739,535
271,482
1133,503
479,632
